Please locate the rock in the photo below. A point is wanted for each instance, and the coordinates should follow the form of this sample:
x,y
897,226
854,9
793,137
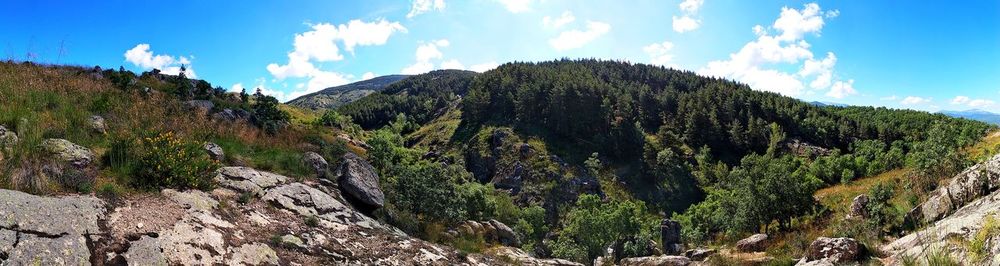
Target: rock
x,y
511,180
253,254
145,251
504,234
231,115
69,152
359,181
192,199
670,237
972,183
837,250
292,240
48,230
215,151
7,138
45,250
316,162
248,180
303,199
859,207
189,243
699,254
97,124
664,260
517,256
200,105
754,243
525,150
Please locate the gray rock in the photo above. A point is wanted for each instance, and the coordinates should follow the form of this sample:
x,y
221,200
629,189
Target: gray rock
x,y
7,138
231,115
189,243
192,199
511,179
837,250
248,180
201,105
215,151
504,234
754,243
70,215
145,251
656,261
97,124
518,257
316,162
670,237
303,199
293,240
69,152
358,180
699,254
859,207
253,254
38,250
972,183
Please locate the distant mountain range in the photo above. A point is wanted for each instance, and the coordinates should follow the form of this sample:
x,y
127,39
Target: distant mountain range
x,y
334,97
822,104
975,114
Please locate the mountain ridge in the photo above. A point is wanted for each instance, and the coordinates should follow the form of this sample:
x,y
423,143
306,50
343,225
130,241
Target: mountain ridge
x,y
337,96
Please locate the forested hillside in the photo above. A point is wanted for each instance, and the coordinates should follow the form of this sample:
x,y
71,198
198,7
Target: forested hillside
x,y
334,97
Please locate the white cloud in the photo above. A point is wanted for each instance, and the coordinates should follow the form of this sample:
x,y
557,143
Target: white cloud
x,y
238,87
691,6
573,39
418,68
960,100
452,64
685,23
423,6
424,54
759,61
842,89
144,58
516,6
660,53
484,66
556,23
913,100
832,13
889,98
367,76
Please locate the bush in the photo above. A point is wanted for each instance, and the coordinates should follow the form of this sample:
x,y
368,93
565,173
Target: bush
x,y
166,161
266,115
593,225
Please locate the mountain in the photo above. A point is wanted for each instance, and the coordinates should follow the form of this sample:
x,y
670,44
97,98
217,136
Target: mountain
x,y
975,114
334,97
823,104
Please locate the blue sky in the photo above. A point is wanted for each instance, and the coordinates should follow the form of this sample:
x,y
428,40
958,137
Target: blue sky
x,y
926,55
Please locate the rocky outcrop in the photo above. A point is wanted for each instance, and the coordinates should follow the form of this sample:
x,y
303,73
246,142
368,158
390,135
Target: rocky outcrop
x,y
214,151
248,180
670,237
754,243
972,183
97,124
491,231
231,115
859,207
303,199
699,254
48,231
517,256
68,152
664,260
836,250
316,162
358,180
200,105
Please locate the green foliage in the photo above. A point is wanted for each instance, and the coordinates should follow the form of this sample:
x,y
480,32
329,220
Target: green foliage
x,y
531,226
266,115
167,161
311,221
881,213
594,224
978,247
418,97
333,119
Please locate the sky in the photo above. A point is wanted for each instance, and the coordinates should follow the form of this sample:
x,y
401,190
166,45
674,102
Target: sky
x,y
924,55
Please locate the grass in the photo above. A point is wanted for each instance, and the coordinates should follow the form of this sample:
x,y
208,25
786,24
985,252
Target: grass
x,y
985,148
977,246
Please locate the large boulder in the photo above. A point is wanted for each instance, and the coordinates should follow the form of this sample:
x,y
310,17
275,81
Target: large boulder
x,y
303,199
504,234
754,243
699,254
215,151
231,115
248,180
316,162
358,180
972,183
511,179
68,152
664,260
46,230
670,237
200,105
859,207
836,250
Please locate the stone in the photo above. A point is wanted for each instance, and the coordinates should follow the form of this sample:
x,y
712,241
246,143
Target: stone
x,y
145,251
253,254
200,105
665,260
97,124
699,254
859,207
511,179
837,250
293,240
7,137
45,250
754,243
188,243
316,162
248,180
965,187
670,237
358,180
214,151
303,199
504,234
69,215
69,152
231,115
517,256
192,199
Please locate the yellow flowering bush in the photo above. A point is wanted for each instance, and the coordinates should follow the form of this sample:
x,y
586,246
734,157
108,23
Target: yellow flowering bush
x,y
167,161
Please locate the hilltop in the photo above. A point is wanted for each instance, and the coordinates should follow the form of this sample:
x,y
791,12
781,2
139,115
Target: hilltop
x,y
334,97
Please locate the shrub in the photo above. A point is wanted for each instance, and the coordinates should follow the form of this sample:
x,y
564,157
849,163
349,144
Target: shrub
x,y
266,115
312,221
593,225
166,161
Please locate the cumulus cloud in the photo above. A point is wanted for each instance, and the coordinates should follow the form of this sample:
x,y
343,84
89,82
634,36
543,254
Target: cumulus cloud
x,y
238,87
144,58
889,98
424,6
688,21
516,6
660,53
424,54
573,39
974,103
555,23
914,100
484,67
755,63
367,76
